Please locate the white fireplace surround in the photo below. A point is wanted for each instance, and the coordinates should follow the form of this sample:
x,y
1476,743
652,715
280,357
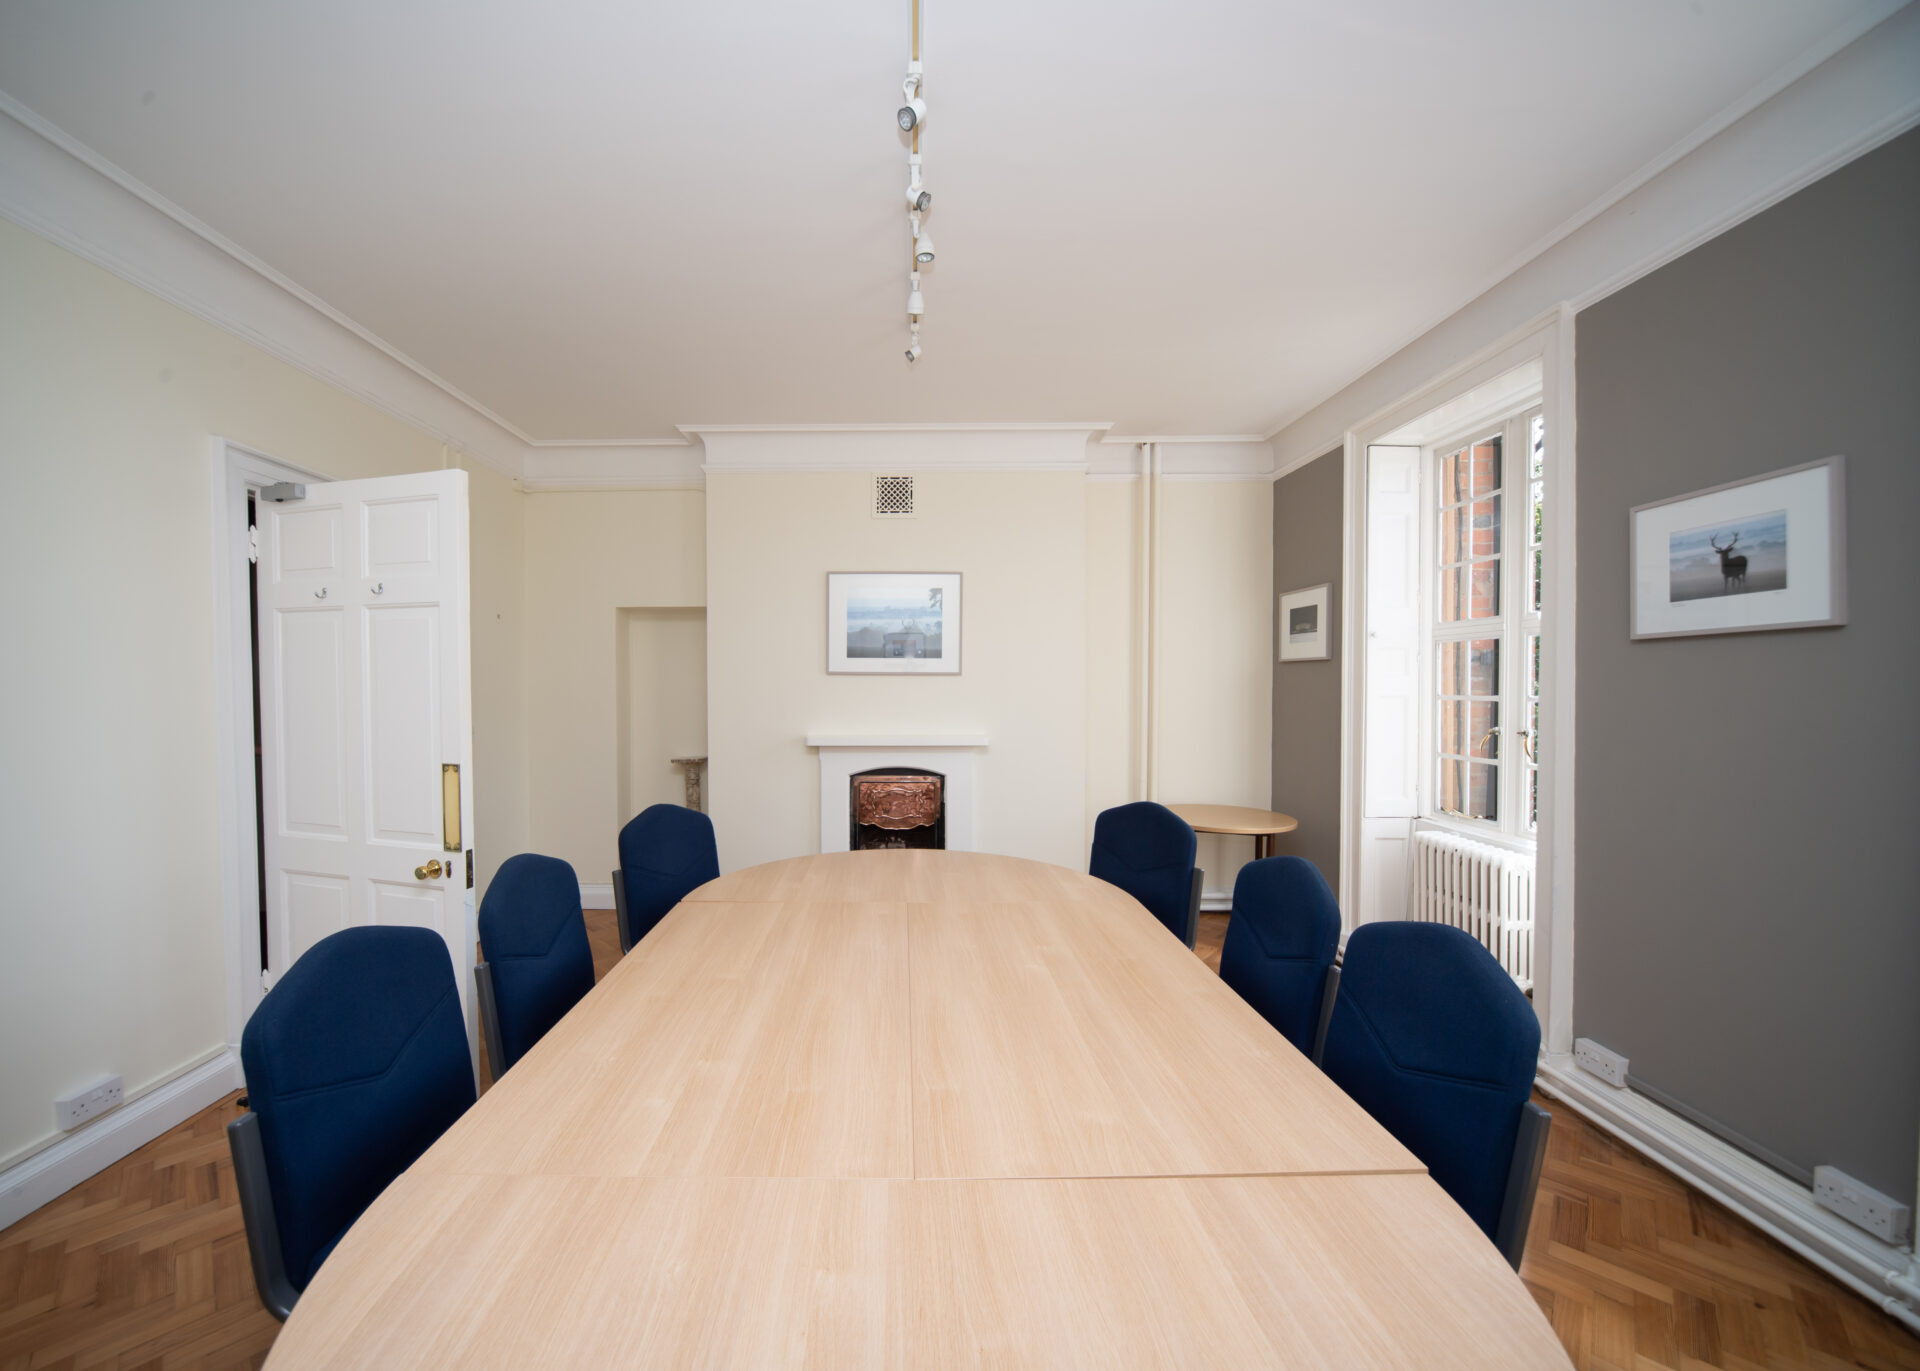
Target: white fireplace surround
x,y
950,754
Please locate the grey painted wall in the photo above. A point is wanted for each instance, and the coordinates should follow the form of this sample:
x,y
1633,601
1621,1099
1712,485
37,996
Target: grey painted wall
x,y
1748,898
1306,695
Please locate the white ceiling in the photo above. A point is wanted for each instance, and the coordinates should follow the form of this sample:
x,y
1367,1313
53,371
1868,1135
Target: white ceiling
x,y
603,218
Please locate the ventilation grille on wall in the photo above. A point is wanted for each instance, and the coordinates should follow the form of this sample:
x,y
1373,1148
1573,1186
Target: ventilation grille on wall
x,y
893,497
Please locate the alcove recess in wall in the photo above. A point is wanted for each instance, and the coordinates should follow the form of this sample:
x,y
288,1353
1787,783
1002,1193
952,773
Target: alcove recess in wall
x,y
660,669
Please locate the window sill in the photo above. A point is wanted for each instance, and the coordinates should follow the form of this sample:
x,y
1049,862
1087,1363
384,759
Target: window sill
x,y
1478,832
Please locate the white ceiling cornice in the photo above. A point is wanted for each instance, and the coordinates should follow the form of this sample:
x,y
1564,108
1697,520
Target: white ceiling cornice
x,y
1195,457
654,464
1848,99
741,448
55,186
1673,159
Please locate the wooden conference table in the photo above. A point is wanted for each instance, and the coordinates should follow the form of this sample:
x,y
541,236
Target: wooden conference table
x,y
914,1109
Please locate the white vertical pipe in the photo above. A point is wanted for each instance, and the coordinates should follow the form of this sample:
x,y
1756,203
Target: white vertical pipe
x,y
1157,509
1143,596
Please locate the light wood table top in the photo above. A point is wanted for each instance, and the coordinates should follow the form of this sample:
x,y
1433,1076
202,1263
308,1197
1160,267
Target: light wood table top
x,y
914,1109
1235,819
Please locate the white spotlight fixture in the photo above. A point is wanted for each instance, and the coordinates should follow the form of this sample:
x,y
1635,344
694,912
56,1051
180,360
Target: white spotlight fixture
x,y
919,198
923,248
914,112
916,306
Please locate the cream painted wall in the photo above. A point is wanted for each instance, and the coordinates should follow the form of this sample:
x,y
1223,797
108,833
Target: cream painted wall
x,y
1216,672
111,957
1019,541
1216,668
1113,646
589,555
663,703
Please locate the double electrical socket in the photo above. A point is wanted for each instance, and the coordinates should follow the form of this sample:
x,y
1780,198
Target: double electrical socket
x,y
90,1101
1881,1215
1609,1066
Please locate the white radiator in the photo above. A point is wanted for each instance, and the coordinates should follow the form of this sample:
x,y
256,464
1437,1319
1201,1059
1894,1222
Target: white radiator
x,y
1486,890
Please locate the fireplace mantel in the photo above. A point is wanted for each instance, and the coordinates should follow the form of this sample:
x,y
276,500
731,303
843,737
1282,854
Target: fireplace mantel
x,y
896,740
842,754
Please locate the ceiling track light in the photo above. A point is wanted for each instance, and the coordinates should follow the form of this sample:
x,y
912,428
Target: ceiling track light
x,y
913,114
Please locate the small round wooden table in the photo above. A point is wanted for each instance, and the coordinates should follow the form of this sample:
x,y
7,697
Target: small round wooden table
x,y
1262,825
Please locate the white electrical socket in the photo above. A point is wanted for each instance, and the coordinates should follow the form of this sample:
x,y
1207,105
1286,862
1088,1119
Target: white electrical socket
x,y
90,1101
1610,1067
1881,1215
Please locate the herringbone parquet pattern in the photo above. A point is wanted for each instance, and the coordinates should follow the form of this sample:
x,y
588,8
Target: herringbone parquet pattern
x,y
145,1266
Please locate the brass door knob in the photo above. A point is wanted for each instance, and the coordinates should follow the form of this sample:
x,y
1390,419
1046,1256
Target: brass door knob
x,y
428,872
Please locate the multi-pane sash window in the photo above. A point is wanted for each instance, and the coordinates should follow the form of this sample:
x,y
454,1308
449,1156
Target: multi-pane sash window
x,y
1485,569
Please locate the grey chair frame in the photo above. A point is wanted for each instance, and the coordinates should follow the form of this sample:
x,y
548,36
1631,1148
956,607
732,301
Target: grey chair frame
x,y
620,910
1330,990
256,1215
1193,909
1523,1183
490,1019
1523,1170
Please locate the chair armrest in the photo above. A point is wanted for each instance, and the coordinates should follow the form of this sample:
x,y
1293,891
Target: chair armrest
x,y
490,1020
1523,1182
1329,992
1193,907
620,911
256,1214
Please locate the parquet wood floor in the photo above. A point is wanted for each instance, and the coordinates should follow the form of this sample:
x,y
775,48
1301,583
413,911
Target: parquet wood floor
x,y
145,1266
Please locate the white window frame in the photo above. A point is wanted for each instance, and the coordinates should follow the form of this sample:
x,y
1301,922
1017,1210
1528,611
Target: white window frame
x,y
1513,625
1545,341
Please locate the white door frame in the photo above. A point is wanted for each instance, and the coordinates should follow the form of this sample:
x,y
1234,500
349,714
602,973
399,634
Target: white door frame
x,y
1548,338
236,470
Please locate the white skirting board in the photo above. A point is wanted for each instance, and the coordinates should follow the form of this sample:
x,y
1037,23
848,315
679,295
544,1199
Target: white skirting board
x,y
1215,901
91,1149
1782,1208
597,896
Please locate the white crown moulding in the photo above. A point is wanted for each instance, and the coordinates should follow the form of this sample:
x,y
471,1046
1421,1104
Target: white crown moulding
x,y
1848,94
55,186
748,448
1198,457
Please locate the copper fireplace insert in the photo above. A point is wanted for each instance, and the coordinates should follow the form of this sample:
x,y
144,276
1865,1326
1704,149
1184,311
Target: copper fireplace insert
x,y
896,807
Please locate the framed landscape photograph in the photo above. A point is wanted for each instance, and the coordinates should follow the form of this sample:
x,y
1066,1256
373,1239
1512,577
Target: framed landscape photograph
x,y
900,623
1768,552
1303,631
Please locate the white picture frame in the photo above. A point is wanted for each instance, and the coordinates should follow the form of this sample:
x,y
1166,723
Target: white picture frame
x,y
893,623
1301,628
1767,552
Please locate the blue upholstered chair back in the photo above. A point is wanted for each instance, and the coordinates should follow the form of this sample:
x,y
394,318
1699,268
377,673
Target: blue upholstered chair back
x,y
535,943
356,1061
665,852
1280,941
1435,1041
1147,850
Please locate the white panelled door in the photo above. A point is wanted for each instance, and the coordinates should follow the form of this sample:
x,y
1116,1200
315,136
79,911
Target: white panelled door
x,y
363,708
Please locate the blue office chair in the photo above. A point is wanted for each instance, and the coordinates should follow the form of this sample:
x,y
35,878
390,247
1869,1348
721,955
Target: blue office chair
x,y
538,963
1430,1036
356,1061
665,852
1147,850
1280,944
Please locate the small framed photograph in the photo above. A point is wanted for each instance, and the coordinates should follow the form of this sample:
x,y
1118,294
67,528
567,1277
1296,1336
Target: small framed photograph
x,y
1764,553
898,623
1303,631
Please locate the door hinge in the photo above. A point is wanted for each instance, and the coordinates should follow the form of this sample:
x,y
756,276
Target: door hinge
x,y
253,543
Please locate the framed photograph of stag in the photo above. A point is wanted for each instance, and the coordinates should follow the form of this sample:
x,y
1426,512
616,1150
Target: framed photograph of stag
x,y
904,623
1764,553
